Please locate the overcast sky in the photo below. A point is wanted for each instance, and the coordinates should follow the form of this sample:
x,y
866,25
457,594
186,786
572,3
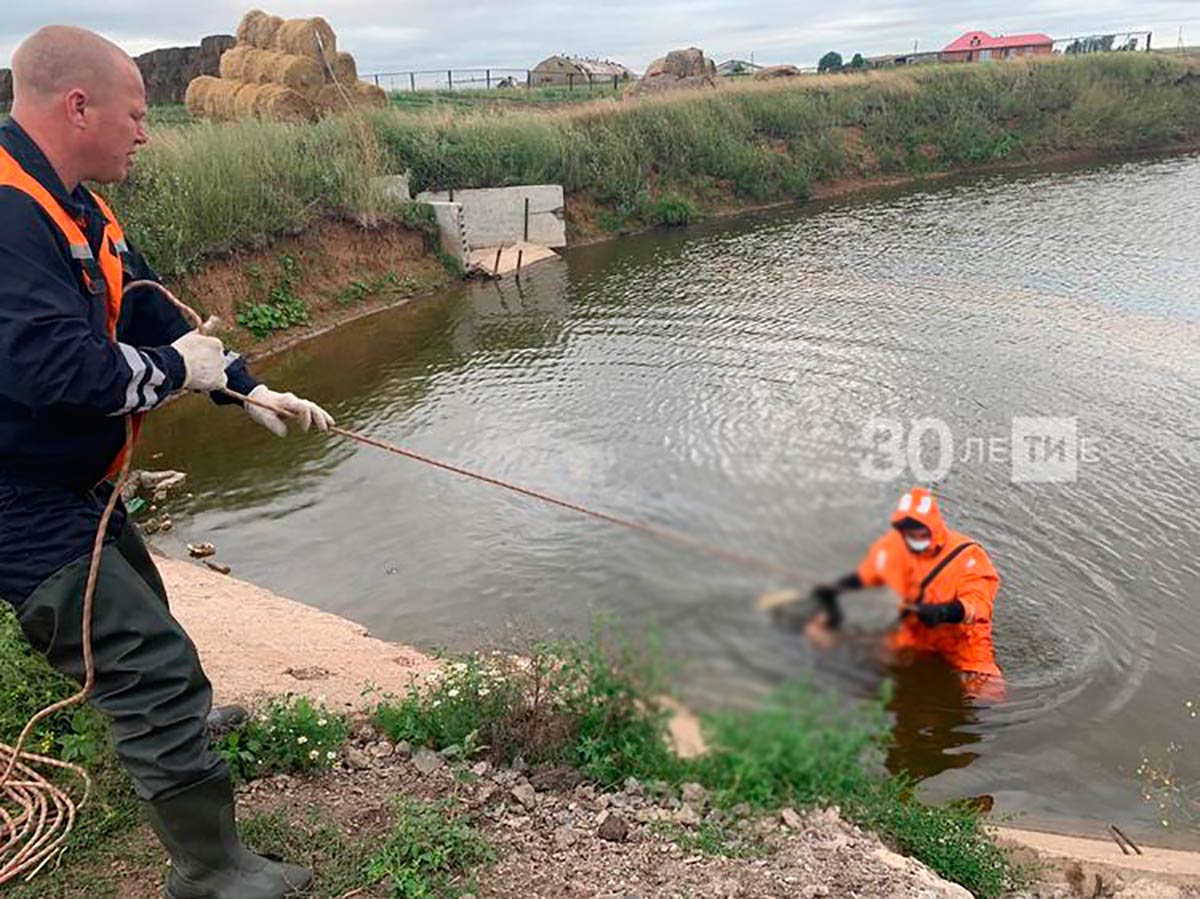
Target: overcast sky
x,y
401,35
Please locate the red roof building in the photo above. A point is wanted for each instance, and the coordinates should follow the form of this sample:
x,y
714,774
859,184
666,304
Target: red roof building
x,y
979,46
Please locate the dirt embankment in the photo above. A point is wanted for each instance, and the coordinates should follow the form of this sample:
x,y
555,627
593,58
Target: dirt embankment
x,y
332,272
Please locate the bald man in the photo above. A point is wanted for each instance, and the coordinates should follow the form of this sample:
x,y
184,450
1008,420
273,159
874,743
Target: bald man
x,y
76,357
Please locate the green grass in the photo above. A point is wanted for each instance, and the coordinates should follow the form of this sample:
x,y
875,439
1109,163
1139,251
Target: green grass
x,y
429,852
500,98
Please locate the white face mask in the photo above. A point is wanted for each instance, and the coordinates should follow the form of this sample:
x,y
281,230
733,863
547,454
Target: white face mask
x,y
918,546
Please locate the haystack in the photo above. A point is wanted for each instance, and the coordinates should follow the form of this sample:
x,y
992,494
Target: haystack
x,y
233,61
276,103
345,70
334,98
283,70
678,70
258,29
300,73
307,37
211,98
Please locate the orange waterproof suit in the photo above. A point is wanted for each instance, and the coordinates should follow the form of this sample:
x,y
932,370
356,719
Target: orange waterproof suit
x,y
968,577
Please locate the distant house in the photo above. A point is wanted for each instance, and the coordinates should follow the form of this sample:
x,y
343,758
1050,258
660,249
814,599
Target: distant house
x,y
979,46
734,67
577,70
903,59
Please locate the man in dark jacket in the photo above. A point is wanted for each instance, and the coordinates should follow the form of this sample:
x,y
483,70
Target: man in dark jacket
x,y
77,356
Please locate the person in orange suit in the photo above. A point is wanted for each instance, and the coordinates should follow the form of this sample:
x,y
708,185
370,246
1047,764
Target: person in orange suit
x,y
947,587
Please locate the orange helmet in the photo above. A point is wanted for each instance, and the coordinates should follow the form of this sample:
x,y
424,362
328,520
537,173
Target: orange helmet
x,y
920,505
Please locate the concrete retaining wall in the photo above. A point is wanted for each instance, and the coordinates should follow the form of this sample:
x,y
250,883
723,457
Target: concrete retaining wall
x,y
495,216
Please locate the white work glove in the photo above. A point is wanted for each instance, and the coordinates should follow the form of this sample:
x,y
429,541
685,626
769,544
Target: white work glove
x,y
203,362
305,414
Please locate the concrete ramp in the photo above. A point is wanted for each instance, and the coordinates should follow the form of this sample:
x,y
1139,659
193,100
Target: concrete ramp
x,y
498,261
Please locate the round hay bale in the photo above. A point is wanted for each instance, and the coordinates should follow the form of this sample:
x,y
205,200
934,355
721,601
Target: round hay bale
x,y
301,74
332,98
197,95
257,66
233,62
244,100
218,101
345,69
276,103
257,29
366,94
307,37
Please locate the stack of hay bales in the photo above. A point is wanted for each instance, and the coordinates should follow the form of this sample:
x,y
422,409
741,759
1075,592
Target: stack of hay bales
x,y
283,70
678,70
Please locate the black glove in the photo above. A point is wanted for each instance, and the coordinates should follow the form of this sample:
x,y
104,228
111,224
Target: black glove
x,y
826,596
933,614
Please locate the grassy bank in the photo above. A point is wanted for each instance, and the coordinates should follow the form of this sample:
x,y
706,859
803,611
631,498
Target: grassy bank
x,y
201,189
586,707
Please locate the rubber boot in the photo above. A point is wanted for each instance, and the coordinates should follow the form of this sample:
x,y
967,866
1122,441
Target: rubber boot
x,y
208,861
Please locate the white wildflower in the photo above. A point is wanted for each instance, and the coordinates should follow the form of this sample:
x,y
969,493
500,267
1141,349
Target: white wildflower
x,y
452,692
313,754
321,722
331,755
301,740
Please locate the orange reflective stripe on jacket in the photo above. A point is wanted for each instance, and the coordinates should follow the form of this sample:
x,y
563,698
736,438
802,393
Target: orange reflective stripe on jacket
x,y
970,578
107,265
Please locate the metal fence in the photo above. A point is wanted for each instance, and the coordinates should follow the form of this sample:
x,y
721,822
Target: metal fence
x,y
1128,41
486,79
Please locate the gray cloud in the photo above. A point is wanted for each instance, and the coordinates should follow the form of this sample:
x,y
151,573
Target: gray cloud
x,y
398,36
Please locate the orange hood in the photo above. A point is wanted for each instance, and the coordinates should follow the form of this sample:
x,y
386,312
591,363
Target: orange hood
x,y
922,506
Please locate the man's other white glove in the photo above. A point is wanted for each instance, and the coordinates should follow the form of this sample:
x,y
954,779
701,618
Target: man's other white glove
x,y
305,414
203,362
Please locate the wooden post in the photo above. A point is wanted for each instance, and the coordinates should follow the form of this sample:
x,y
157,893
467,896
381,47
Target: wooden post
x,y
450,78
496,267
528,78
1148,34
451,192
376,77
527,219
520,253
570,81
412,81
489,78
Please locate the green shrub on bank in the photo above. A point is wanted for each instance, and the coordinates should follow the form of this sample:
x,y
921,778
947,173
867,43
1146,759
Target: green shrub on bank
x,y
580,704
290,736
669,212
591,705
429,851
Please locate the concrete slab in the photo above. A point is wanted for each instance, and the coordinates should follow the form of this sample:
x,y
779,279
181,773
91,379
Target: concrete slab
x,y
526,253
452,226
496,215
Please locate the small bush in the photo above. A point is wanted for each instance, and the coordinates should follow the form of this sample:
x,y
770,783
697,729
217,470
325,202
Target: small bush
x,y
582,704
274,308
290,736
669,212
428,853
